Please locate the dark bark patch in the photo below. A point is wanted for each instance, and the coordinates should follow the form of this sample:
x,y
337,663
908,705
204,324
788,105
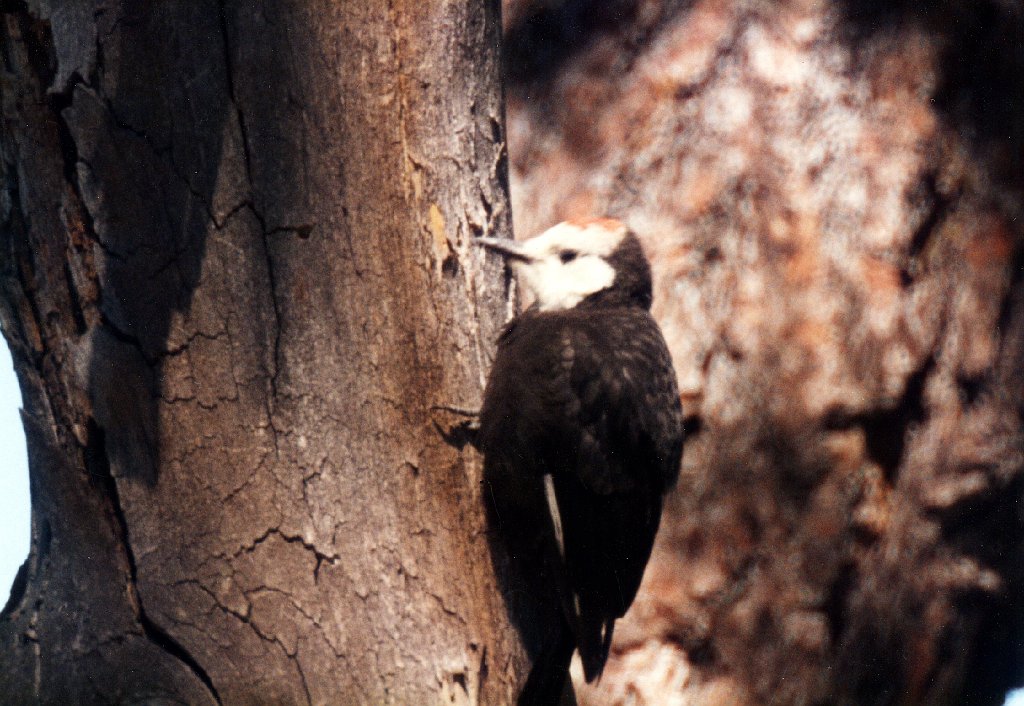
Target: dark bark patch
x,y
38,41
77,312
546,36
886,429
837,598
939,205
981,70
970,388
450,266
1013,302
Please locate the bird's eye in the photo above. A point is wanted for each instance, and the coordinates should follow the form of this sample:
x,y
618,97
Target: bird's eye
x,y
567,255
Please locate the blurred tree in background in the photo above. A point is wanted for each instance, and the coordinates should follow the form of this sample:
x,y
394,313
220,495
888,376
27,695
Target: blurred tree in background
x,y
831,194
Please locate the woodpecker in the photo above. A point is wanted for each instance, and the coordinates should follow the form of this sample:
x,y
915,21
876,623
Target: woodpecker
x,y
582,433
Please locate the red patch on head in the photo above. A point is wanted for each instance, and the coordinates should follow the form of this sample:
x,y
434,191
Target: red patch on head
x,y
607,223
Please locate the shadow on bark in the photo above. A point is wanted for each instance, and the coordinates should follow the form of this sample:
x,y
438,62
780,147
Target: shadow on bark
x,y
543,37
155,160
145,149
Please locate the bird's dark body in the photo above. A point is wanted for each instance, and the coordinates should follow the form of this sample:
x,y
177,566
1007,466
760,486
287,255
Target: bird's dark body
x,y
588,396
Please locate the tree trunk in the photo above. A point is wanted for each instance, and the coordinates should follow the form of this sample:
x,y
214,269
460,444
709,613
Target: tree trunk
x,y
831,193
236,280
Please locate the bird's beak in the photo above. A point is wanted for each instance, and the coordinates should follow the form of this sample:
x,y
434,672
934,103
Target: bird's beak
x,y
508,249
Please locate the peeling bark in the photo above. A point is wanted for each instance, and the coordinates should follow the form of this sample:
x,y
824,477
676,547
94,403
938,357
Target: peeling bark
x,y
831,195
236,280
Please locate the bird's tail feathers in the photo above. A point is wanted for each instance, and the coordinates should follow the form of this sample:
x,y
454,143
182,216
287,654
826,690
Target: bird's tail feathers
x,y
547,681
594,640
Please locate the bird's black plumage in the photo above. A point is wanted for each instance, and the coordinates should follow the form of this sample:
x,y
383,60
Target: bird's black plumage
x,y
586,396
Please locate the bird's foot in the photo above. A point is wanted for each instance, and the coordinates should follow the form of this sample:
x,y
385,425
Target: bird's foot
x,y
456,434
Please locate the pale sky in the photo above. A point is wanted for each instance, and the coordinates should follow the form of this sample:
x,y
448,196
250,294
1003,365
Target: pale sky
x,y
14,506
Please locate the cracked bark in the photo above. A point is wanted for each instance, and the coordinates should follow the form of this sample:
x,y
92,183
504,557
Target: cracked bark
x,y
236,278
831,193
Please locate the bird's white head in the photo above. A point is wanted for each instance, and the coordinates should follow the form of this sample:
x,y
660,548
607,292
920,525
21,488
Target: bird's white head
x,y
566,263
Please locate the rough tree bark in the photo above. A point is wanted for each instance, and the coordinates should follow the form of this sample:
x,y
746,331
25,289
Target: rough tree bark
x,y
831,192
236,276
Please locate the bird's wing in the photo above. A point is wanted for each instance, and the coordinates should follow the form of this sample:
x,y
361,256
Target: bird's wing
x,y
622,404
619,448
